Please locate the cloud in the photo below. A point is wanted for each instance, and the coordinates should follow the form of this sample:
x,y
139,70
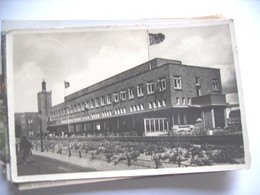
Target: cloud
x,y
228,77
26,86
84,58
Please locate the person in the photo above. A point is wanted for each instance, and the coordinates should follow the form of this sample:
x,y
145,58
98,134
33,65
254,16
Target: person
x,y
25,148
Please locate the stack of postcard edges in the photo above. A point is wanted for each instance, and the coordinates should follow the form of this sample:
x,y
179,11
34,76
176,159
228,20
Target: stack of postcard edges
x,y
95,101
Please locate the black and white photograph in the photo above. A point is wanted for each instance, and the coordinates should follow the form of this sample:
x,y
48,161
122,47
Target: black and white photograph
x,y
101,102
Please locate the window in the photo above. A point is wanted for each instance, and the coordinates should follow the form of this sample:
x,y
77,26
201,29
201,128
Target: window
x,y
183,101
82,106
163,103
122,95
189,100
91,104
96,102
78,108
140,90
177,82
102,101
197,81
159,104
109,101
177,100
86,105
131,93
215,85
116,98
131,109
141,106
150,105
150,87
198,90
162,84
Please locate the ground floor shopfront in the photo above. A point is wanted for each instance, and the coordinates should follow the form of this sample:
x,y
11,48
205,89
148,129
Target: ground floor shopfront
x,y
150,123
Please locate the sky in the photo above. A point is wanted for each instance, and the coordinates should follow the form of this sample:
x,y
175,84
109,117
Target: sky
x,y
85,57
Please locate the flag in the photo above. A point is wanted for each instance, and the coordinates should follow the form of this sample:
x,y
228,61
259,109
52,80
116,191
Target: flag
x,y
156,38
66,84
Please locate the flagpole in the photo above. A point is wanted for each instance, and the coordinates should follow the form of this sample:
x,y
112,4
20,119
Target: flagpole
x,y
148,45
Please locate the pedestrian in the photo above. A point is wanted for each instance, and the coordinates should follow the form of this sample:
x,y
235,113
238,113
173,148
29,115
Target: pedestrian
x,y
156,159
25,148
69,148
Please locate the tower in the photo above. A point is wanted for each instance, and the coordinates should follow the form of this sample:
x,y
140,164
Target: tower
x,y
44,106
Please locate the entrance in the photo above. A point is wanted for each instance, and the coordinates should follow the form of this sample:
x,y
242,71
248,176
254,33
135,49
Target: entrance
x,y
155,126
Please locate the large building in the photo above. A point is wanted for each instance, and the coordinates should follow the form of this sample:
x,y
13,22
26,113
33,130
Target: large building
x,y
33,124
154,98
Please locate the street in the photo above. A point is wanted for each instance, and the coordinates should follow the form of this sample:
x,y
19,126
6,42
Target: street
x,y
43,165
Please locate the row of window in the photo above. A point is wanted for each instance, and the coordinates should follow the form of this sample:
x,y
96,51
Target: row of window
x,y
122,95
120,110
177,83
182,100
132,108
115,97
136,107
158,104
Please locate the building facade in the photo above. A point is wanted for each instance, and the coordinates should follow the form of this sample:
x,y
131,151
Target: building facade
x,y
28,124
154,98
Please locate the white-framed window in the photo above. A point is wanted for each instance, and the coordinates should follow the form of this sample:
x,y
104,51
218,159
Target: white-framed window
x,y
163,103
150,87
137,107
177,100
91,104
102,101
150,105
197,81
116,98
140,91
123,95
162,84
82,106
159,104
183,101
189,100
79,107
141,106
134,108
87,105
96,102
154,105
215,85
177,82
131,93
109,100
131,109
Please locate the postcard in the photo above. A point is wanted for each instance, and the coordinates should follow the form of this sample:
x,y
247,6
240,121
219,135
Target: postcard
x,y
124,101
